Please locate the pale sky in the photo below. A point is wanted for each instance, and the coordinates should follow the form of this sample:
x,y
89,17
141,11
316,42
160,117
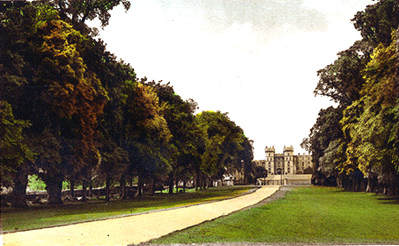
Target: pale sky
x,y
255,59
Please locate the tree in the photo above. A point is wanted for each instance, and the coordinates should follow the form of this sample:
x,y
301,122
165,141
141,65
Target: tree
x,y
78,12
260,172
222,144
14,153
376,22
49,84
342,80
114,162
147,133
247,157
113,139
354,82
371,122
324,139
179,115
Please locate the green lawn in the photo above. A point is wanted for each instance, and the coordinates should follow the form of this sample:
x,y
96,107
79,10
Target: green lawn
x,y
305,215
22,219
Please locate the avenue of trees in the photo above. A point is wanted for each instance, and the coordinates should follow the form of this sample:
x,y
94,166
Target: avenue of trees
x,y
70,111
355,145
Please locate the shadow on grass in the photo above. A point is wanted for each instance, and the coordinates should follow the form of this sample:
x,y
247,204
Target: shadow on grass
x,y
145,201
389,200
379,196
263,208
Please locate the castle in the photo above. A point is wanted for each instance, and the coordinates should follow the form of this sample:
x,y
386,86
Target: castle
x,y
285,163
286,168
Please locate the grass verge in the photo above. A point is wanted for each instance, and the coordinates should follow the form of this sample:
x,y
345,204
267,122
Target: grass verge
x,y
31,218
305,215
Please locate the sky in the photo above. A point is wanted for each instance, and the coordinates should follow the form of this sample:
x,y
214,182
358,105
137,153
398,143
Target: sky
x,y
255,59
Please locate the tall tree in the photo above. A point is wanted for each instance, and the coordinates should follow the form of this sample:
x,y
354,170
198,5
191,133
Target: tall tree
x,y
14,153
353,81
147,133
222,145
371,122
325,138
179,115
48,83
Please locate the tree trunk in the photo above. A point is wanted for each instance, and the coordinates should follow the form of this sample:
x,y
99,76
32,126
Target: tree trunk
x,y
184,185
171,184
197,181
204,182
354,184
107,187
122,183
177,185
153,186
19,189
201,182
90,188
370,187
54,190
84,190
72,189
140,186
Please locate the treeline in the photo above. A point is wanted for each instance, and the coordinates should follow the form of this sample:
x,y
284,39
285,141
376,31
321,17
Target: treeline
x,y
69,110
355,145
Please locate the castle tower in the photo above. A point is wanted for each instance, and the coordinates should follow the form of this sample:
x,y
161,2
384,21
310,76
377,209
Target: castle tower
x,y
270,152
289,166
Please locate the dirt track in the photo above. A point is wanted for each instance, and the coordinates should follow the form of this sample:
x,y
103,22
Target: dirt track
x,y
135,229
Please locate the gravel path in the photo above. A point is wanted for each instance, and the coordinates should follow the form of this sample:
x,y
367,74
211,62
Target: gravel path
x,y
135,229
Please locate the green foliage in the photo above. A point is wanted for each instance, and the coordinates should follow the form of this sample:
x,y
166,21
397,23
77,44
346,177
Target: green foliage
x,y
73,96
89,116
78,12
35,183
183,150
223,142
13,149
376,22
324,142
342,80
148,131
364,82
369,122
47,83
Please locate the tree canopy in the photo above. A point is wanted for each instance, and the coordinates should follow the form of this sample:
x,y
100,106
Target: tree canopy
x,y
356,143
71,111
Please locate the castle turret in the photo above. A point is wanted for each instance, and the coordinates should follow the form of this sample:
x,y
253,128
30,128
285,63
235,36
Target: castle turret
x,y
289,166
270,149
289,149
270,152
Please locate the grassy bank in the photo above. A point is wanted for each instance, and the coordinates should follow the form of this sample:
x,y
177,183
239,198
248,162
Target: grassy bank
x,y
305,215
22,219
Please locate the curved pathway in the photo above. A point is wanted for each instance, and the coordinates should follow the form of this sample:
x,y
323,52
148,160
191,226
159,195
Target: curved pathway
x,y
136,228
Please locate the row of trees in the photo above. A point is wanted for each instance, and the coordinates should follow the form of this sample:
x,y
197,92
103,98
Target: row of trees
x,y
355,145
69,110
